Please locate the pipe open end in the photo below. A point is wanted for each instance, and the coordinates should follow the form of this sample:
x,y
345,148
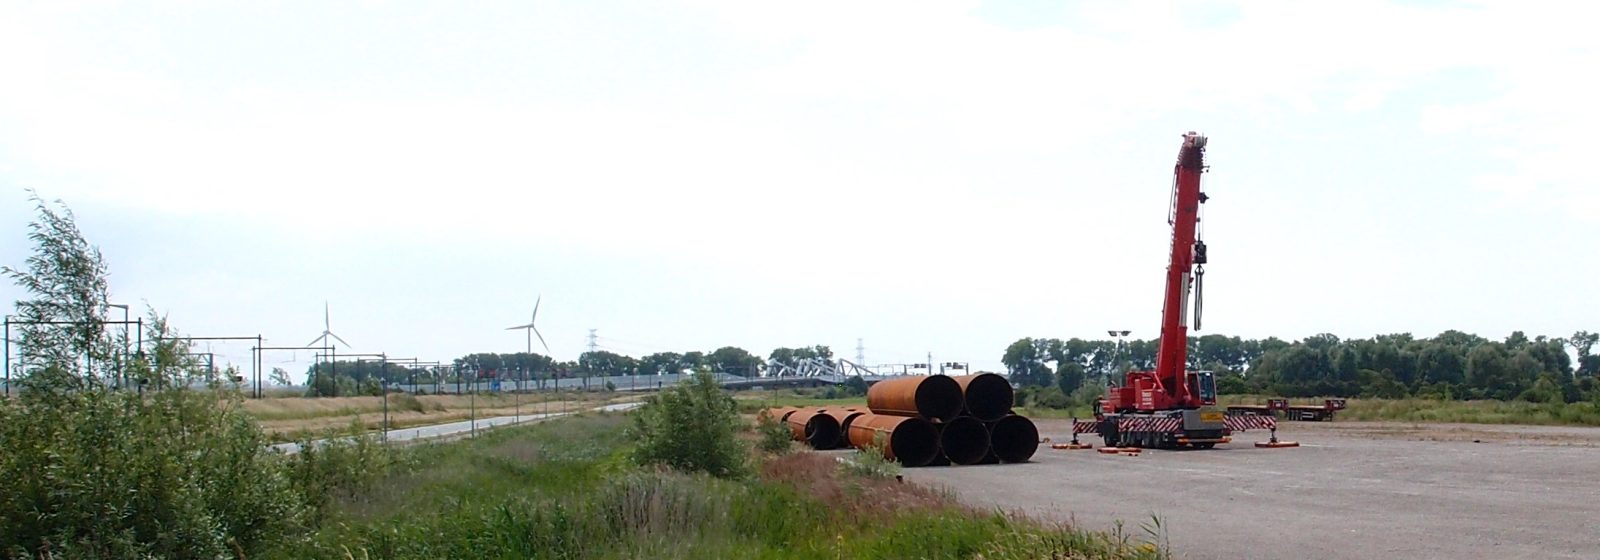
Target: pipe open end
x,y
915,442
939,396
965,440
989,397
1014,439
822,432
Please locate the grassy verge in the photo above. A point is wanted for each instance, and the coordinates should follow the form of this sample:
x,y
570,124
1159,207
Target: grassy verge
x,y
750,403
286,419
1464,412
1473,412
564,489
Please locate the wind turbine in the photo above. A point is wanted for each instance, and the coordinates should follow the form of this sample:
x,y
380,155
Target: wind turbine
x,y
532,329
333,350
327,332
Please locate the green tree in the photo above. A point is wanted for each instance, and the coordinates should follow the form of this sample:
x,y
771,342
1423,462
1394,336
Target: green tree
x,y
1024,361
96,472
662,363
1490,373
280,377
1583,342
1069,377
691,427
855,386
61,338
732,360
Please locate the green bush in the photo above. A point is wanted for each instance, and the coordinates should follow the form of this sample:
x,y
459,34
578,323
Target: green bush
x,y
1050,397
336,468
775,436
872,462
114,474
691,427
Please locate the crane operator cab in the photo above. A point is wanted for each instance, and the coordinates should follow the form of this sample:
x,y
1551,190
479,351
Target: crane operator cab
x,y
1204,385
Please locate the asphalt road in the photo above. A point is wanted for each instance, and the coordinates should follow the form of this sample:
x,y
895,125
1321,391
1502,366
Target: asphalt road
x,y
1350,491
464,427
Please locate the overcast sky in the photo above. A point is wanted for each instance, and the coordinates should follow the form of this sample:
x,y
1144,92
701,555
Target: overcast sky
x,y
940,177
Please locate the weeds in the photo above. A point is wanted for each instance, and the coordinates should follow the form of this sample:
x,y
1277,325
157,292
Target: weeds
x,y
872,461
568,489
775,437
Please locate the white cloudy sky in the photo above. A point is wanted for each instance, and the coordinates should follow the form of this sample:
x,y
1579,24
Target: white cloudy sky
x,y
927,176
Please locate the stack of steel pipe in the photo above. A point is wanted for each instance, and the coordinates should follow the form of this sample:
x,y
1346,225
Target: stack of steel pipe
x,y
924,420
970,415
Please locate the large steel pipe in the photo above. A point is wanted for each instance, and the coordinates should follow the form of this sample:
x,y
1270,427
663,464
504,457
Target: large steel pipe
x,y
988,395
964,440
1013,438
845,416
815,427
781,413
932,396
912,441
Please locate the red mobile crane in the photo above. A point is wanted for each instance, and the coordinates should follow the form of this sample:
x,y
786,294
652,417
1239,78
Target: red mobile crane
x,y
1171,406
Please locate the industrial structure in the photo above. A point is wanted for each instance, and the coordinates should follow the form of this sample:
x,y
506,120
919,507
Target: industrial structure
x,y
1172,406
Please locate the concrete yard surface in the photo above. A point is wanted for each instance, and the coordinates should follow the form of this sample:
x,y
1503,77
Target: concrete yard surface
x,y
1352,490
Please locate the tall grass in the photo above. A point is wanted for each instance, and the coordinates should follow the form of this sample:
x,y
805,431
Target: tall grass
x,y
1450,411
567,489
1473,412
751,404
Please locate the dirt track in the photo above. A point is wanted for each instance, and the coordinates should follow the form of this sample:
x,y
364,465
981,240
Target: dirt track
x,y
1353,490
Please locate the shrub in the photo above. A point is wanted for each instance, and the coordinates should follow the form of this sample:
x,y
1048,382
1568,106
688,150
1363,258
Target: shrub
x,y
871,462
96,471
114,474
775,436
336,468
1050,397
691,427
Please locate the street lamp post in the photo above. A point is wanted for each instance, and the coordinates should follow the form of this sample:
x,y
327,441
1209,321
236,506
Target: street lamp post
x,y
1118,338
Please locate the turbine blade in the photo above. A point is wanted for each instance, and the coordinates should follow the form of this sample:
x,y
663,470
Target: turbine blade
x,y
313,343
325,324
336,337
541,340
527,326
536,302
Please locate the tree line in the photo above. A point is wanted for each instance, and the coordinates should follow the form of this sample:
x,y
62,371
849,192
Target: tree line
x,y
350,377
1452,365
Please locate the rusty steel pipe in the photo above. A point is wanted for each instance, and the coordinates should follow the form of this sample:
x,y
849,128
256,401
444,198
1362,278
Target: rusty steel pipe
x,y
845,416
781,413
815,427
935,397
797,431
988,395
964,440
1014,439
912,441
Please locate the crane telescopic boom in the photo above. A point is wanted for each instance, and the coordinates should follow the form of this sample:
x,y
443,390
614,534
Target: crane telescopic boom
x,y
1186,264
